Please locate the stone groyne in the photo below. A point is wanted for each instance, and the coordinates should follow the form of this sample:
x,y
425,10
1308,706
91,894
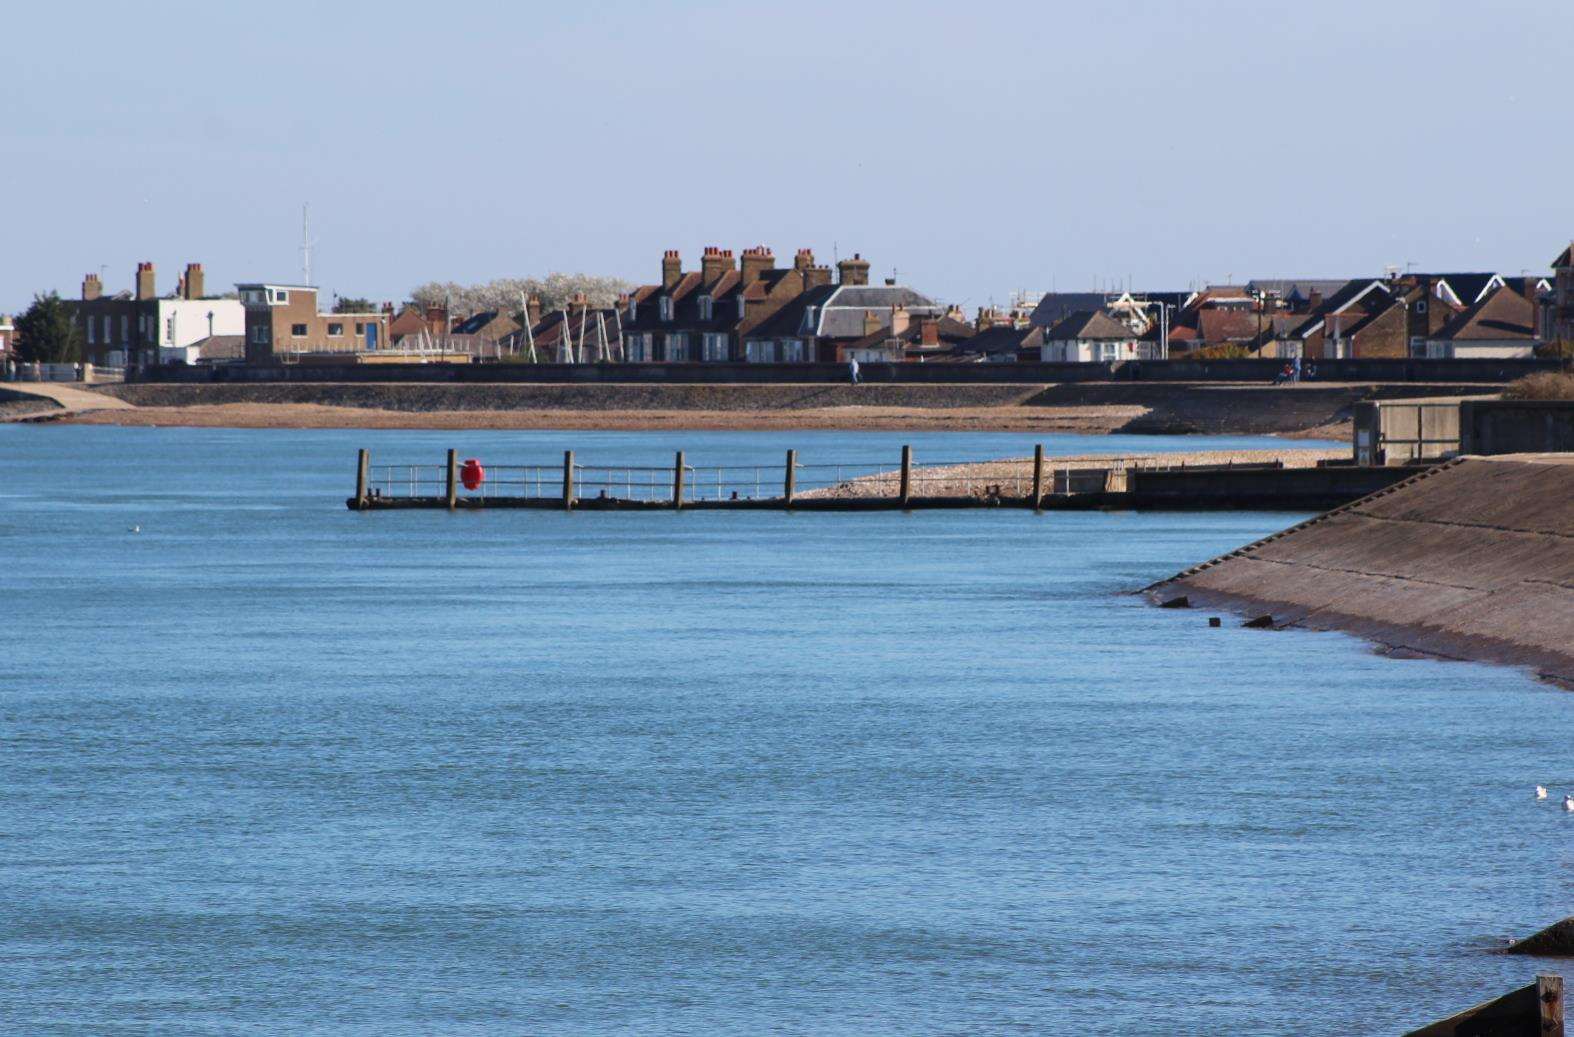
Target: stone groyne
x,y
1473,559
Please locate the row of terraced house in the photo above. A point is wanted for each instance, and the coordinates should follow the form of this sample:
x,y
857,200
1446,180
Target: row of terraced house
x,y
745,308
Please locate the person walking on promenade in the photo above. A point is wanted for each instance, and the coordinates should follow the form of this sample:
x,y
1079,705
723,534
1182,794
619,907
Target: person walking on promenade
x,y
852,369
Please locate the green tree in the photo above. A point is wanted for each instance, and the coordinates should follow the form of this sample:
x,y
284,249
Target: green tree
x,y
353,305
46,334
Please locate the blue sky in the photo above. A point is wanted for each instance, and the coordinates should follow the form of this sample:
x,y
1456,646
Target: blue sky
x,y
976,148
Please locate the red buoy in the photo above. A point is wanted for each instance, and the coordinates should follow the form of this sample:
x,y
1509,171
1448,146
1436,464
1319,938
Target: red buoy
x,y
472,474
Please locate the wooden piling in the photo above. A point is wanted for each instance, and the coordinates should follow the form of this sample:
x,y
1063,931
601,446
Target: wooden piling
x,y
568,480
453,479
790,482
905,493
1038,476
677,482
1534,1011
363,464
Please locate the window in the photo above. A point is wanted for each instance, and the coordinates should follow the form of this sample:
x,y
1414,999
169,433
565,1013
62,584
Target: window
x,y
638,348
90,326
666,307
336,330
278,295
715,346
633,309
792,350
677,347
107,333
707,305
360,327
125,328
758,352
259,334
740,307
298,330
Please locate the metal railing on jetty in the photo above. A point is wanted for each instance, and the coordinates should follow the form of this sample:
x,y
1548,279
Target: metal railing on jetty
x,y
793,484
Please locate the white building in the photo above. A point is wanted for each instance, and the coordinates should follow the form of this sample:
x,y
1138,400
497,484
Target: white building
x,y
182,323
1093,336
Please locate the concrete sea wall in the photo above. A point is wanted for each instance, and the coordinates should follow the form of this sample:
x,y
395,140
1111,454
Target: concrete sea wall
x,y
1473,559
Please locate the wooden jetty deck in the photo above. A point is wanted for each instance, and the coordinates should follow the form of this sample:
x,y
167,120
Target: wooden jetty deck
x,y
1040,485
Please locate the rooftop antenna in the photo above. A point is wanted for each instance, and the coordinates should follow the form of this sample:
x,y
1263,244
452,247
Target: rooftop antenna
x,y
306,244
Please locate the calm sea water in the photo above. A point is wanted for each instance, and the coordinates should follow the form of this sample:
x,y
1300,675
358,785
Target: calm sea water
x,y
271,766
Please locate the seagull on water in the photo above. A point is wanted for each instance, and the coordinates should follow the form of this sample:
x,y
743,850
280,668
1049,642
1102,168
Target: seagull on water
x,y
1568,802
1541,792
135,529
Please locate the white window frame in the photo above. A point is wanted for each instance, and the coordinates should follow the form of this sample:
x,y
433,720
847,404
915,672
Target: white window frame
x,y
666,307
707,307
339,324
278,296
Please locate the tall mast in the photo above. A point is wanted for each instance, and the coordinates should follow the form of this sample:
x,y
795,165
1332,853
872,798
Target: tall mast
x,y
306,244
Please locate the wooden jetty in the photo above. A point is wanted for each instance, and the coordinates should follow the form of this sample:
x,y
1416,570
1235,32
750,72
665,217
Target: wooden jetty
x,y
795,486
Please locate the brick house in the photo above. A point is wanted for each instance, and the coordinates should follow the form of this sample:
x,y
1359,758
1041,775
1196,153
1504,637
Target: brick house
x,y
702,315
142,327
832,323
1560,322
282,321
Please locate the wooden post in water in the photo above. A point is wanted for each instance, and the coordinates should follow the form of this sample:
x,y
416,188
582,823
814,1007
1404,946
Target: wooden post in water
x,y
453,478
1038,476
568,480
790,482
677,482
905,493
362,466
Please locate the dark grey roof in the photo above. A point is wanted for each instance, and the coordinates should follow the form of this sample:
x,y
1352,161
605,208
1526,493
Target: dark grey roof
x,y
1467,287
1297,287
1002,338
1056,306
1088,324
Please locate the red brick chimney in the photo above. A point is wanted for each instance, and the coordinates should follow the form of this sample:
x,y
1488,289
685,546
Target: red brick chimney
x,y
803,260
671,269
854,271
714,264
192,283
815,276
91,288
929,331
146,287
756,261
533,310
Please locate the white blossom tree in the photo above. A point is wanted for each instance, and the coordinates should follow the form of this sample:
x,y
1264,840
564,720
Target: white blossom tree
x,y
503,294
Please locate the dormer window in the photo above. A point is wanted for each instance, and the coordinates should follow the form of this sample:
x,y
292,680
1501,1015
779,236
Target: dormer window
x,y
809,315
666,307
633,309
706,311
741,306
